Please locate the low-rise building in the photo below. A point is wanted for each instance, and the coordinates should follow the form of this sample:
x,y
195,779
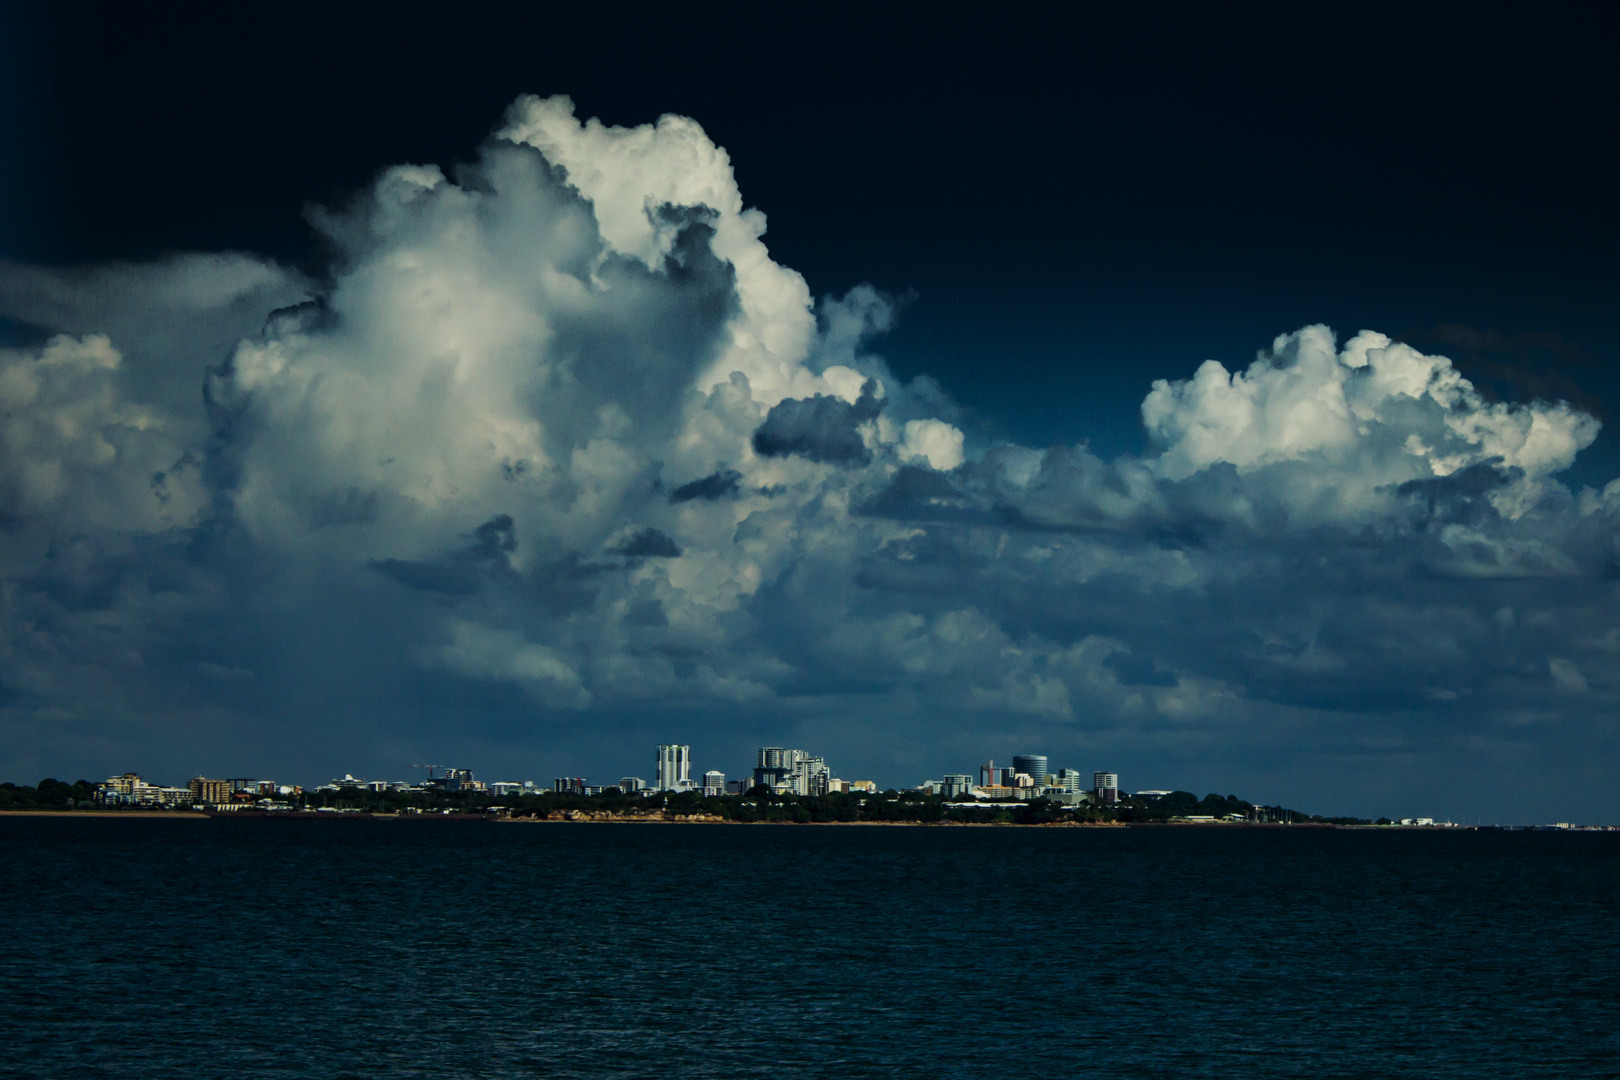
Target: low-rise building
x,y
129,789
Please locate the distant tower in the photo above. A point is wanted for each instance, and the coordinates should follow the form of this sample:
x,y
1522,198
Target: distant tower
x,y
674,768
1107,787
987,774
1033,764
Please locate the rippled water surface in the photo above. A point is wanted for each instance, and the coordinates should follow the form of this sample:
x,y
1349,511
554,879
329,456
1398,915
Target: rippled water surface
x,y
213,948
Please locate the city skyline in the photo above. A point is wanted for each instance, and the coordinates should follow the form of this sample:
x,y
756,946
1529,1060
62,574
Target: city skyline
x,y
1163,408
780,772
672,771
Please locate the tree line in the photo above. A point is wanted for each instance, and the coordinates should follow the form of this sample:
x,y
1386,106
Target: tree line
x,y
49,794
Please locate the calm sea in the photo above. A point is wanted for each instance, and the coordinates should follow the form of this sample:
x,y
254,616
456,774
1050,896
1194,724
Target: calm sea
x,y
223,948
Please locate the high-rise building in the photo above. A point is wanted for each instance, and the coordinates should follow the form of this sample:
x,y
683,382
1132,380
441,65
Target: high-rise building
x,y
1034,765
674,768
778,757
773,767
813,776
714,782
628,784
791,772
956,785
1069,780
210,791
1106,785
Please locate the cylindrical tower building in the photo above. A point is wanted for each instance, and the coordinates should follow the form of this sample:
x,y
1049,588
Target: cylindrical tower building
x,y
1034,765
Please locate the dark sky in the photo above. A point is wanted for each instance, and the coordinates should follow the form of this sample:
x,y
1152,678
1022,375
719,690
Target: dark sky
x,y
1076,203
1055,211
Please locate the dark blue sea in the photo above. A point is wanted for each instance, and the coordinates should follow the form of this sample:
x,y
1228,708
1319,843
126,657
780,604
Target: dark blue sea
x,y
301,948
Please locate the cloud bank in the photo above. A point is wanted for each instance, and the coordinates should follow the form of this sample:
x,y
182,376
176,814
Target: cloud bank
x,y
557,456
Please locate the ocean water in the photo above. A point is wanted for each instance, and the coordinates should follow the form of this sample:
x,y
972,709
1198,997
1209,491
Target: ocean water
x,y
330,949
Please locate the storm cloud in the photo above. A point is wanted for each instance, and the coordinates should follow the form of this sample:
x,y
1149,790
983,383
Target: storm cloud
x,y
822,428
557,445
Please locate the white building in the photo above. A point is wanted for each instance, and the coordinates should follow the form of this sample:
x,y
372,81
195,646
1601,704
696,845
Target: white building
x,y
674,768
792,772
1106,786
813,777
130,789
714,782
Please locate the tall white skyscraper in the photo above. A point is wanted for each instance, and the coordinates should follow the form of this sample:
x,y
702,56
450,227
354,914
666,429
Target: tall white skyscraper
x,y
674,768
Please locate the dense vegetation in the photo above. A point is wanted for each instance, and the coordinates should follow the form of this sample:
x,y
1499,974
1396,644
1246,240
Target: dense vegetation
x,y
758,805
48,794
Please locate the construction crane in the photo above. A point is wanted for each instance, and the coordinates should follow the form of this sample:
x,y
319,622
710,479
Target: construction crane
x,y
430,769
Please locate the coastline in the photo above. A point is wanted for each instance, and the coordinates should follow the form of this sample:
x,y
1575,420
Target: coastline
x,y
102,814
579,818
583,818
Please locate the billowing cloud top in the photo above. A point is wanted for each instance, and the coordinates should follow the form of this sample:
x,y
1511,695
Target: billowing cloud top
x,y
557,447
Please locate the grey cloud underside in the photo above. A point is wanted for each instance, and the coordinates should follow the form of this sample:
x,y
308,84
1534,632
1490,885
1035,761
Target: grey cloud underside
x,y
821,428
721,484
430,577
1345,616
558,445
648,544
